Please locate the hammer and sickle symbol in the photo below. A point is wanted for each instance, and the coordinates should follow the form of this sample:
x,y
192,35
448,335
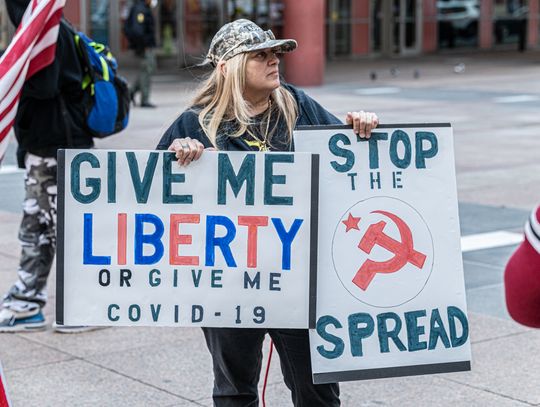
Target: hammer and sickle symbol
x,y
403,251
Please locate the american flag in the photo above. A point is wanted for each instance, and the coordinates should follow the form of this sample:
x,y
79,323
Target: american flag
x,y
4,401
33,47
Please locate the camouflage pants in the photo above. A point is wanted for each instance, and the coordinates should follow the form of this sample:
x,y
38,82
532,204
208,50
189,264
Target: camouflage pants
x,y
146,69
37,235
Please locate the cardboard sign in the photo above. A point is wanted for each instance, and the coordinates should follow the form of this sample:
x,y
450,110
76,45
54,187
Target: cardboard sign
x,y
223,242
391,293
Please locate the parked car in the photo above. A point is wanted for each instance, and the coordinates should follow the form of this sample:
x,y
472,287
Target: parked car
x,y
460,17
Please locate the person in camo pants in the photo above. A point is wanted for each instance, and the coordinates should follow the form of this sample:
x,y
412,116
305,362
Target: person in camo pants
x,y
37,235
50,116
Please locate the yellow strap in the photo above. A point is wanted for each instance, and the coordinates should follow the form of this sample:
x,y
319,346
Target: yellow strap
x,y
86,81
104,68
98,47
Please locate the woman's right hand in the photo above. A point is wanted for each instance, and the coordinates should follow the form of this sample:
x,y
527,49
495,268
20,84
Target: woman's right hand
x,y
187,150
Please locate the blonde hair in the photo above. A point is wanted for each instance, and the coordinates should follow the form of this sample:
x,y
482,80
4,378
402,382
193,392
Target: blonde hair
x,y
221,99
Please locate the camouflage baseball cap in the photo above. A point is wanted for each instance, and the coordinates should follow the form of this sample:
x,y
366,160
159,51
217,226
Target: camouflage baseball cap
x,y
243,36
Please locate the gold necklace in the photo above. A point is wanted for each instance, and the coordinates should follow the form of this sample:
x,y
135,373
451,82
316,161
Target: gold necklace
x,y
262,145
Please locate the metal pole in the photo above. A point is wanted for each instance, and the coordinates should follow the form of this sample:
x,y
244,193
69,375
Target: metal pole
x,y
114,26
180,30
387,27
3,27
83,16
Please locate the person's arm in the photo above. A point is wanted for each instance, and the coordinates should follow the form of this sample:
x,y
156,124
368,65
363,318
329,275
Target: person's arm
x,y
522,276
185,138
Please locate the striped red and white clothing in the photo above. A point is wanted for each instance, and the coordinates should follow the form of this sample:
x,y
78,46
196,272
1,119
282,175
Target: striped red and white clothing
x,y
522,276
33,48
532,230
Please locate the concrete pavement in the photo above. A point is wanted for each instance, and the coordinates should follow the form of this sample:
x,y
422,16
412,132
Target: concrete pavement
x,y
493,105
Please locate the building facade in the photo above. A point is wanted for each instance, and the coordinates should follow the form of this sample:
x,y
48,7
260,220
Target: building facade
x,y
325,29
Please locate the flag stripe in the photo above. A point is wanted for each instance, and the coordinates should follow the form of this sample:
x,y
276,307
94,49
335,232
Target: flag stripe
x,y
13,94
24,40
32,49
9,108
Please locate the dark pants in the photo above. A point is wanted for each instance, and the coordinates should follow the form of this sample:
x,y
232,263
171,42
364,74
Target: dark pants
x,y
147,66
237,359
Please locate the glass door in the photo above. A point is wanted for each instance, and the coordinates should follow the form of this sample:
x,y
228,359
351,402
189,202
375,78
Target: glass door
x,y
396,26
406,26
99,18
338,28
510,25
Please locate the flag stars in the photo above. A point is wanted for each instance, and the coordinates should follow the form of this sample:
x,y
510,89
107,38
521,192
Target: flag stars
x,y
351,223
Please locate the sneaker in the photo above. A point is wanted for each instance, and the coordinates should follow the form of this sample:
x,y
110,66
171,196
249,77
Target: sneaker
x,y
148,104
74,329
27,321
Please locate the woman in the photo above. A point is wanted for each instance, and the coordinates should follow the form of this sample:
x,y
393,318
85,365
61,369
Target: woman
x,y
244,106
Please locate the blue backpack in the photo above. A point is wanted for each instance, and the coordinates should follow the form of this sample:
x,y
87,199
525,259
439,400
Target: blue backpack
x,y
106,94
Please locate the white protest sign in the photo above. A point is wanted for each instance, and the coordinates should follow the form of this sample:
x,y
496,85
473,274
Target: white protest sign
x,y
390,287
223,242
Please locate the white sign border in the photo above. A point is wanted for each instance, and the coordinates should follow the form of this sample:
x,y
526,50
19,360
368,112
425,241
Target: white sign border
x,y
387,372
60,239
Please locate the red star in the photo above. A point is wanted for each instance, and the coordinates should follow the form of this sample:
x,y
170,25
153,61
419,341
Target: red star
x,y
351,223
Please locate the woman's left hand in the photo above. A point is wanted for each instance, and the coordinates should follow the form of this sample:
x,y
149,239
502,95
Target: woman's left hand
x,y
362,122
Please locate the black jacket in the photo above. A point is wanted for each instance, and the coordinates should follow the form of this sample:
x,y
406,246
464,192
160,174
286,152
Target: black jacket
x,y
40,126
140,15
310,113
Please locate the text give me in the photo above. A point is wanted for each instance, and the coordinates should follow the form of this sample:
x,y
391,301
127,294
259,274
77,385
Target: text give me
x,y
142,181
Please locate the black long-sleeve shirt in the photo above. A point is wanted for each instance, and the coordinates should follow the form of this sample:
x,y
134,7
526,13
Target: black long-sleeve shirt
x,y
40,126
309,113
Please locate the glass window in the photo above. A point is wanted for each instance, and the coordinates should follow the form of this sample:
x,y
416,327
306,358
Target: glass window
x,y
99,21
268,14
458,23
167,18
376,26
203,18
338,28
410,23
510,22
276,17
254,10
201,22
538,23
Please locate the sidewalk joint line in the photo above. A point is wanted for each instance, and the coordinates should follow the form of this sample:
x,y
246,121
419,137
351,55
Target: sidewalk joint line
x,y
500,337
485,286
489,391
140,381
75,357
11,256
479,263
52,362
